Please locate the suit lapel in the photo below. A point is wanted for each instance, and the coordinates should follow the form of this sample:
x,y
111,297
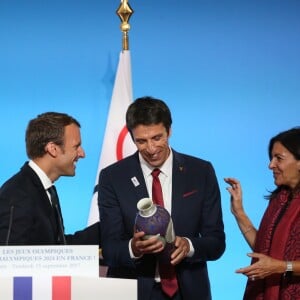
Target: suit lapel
x,y
44,202
136,177
178,183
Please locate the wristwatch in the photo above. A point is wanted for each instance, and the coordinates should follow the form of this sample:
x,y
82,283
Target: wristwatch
x,y
289,267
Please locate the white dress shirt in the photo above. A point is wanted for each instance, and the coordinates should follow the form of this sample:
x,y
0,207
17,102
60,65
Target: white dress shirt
x,y
46,182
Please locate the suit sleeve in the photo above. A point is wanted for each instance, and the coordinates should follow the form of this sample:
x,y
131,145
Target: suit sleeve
x,y
116,221
197,210
210,244
87,236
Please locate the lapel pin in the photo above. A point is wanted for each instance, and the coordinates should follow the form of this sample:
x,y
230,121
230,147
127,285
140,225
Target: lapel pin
x,y
135,181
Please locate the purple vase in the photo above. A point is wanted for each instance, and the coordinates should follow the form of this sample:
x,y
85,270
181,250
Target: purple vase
x,y
155,220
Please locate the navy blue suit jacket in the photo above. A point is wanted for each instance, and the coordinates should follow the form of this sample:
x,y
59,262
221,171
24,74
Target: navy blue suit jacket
x,y
33,219
196,214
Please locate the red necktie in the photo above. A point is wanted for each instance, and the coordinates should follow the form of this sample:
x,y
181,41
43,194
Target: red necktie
x,y
166,271
157,195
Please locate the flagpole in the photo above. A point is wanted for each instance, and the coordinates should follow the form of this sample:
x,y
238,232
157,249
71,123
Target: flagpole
x,y
124,12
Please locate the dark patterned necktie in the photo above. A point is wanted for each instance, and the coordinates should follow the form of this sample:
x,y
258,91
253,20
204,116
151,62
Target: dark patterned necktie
x,y
167,272
55,204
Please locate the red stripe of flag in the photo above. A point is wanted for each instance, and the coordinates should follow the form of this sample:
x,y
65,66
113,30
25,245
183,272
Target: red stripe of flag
x,y
120,143
61,288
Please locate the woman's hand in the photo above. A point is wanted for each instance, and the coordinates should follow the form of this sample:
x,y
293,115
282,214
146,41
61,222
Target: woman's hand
x,y
263,267
235,191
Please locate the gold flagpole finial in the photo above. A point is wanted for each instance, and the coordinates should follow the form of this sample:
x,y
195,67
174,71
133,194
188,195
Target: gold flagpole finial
x,y
124,12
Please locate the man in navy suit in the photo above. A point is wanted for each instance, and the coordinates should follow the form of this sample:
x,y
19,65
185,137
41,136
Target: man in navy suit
x,y
190,193
29,214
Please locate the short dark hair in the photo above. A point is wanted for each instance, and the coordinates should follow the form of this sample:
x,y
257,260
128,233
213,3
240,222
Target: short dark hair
x,y
290,139
147,111
45,128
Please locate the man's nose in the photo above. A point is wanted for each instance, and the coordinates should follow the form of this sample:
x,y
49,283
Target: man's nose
x,y
151,146
81,152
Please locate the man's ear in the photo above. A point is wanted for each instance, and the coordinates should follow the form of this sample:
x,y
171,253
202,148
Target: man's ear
x,y
51,148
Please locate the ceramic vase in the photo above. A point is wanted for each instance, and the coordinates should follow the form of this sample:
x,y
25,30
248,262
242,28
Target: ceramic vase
x,y
155,220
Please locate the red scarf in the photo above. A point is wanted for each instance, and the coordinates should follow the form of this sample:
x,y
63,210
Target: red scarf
x,y
280,240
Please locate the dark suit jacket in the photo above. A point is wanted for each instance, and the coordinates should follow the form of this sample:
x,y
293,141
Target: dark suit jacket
x,y
33,219
196,214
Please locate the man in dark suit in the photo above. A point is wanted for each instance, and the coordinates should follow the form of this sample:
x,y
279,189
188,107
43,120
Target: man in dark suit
x,y
190,193
30,213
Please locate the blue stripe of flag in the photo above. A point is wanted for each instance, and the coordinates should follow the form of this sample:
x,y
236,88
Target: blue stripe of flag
x,y
22,288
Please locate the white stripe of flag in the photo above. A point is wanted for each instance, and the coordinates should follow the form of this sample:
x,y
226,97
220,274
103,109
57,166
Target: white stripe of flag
x,y
117,142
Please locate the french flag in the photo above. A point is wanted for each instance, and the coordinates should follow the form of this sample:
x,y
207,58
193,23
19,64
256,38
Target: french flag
x,y
66,288
35,288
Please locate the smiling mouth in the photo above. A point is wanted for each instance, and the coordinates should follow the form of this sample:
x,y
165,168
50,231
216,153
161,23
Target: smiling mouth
x,y
154,157
276,175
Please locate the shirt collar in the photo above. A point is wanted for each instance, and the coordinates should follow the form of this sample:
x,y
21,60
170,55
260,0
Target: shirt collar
x,y
46,182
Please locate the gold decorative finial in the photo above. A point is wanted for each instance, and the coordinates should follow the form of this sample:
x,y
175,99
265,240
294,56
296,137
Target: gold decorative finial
x,y
124,12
